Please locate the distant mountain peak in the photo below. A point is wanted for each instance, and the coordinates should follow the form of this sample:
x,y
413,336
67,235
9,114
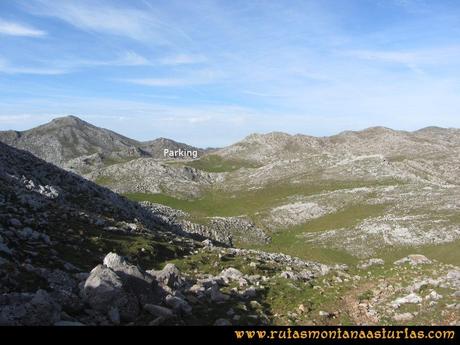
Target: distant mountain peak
x,y
432,129
67,138
266,136
68,120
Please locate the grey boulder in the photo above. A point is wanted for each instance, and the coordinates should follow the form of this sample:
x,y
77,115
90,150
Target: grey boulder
x,y
29,309
104,290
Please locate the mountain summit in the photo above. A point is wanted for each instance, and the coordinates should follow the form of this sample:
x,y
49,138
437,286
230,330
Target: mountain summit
x,y
68,138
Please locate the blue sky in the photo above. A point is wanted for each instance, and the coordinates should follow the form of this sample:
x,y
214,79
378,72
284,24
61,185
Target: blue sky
x,y
211,72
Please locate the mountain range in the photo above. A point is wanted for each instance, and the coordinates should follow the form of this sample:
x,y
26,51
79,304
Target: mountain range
x,y
362,227
67,138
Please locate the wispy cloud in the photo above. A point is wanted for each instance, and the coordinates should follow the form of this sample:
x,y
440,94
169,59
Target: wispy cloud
x,y
160,82
196,77
107,18
19,29
99,17
128,58
182,59
7,68
435,55
200,119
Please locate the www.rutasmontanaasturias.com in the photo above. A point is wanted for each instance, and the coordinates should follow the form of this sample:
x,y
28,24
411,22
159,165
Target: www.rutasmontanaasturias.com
x,y
339,333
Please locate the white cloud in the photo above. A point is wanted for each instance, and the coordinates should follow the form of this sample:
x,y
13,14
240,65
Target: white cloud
x,y
18,29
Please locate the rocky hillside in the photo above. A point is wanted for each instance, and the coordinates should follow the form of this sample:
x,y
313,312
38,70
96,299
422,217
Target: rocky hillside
x,y
66,138
355,191
273,146
344,197
156,147
75,144
153,176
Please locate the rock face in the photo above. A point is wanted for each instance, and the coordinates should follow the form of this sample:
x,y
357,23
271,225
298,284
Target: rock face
x,y
295,213
225,230
152,176
175,220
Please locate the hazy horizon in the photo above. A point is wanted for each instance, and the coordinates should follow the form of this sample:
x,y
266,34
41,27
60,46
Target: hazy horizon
x,y
227,144
208,73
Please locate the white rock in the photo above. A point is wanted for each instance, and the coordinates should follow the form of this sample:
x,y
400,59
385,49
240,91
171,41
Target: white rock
x,y
414,260
231,274
433,296
403,317
412,298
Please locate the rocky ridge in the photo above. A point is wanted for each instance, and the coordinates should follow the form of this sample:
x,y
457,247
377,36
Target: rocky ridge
x,y
76,144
